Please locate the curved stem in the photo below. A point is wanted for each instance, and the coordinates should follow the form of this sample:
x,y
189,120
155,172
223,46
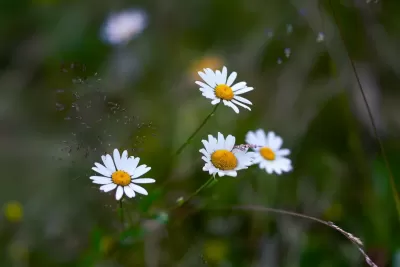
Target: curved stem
x,y
180,149
355,240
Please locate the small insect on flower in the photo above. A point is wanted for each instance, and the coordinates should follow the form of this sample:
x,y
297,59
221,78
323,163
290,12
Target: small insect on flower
x,y
123,26
269,154
223,158
122,173
219,87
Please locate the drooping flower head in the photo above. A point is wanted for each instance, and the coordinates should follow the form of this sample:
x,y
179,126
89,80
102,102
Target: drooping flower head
x,y
269,154
222,157
218,86
123,26
122,173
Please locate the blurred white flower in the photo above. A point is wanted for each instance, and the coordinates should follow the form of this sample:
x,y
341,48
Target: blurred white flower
x,y
123,26
122,173
269,154
219,87
223,158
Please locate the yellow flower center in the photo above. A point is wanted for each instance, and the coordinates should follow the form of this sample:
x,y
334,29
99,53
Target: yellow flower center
x,y
267,153
223,91
224,160
121,178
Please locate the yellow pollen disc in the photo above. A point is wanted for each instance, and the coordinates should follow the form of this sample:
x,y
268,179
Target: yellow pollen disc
x,y
223,91
224,160
121,178
267,153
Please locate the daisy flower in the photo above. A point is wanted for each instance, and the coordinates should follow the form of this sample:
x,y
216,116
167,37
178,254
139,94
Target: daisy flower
x,y
269,154
123,26
122,173
219,87
222,157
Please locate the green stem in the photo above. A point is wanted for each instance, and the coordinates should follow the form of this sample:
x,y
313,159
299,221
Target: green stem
x,y
121,213
371,117
180,149
193,194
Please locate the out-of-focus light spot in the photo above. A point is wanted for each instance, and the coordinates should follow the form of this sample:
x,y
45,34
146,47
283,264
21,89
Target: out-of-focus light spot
x,y
18,251
215,250
288,52
303,11
123,26
212,62
269,33
162,217
320,37
289,28
106,244
279,61
13,211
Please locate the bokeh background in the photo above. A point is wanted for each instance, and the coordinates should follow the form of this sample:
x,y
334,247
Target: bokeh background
x,y
67,96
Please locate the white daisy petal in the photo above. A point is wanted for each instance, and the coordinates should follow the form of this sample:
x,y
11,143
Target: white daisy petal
x,y
231,173
117,159
203,85
244,90
229,142
138,189
240,104
129,192
234,107
204,152
132,164
97,177
231,78
210,81
124,160
242,99
262,136
207,146
102,180
238,86
276,143
283,152
224,75
209,95
215,101
102,170
213,142
221,141
142,169
108,187
108,162
119,193
143,181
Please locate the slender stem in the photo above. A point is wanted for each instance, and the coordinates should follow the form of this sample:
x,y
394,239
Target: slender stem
x,y
193,194
180,149
353,239
371,117
121,213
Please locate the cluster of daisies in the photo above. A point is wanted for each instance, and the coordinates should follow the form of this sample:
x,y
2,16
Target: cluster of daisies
x,y
220,154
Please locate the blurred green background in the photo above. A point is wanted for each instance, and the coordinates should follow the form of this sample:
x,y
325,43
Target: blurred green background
x,y
58,78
